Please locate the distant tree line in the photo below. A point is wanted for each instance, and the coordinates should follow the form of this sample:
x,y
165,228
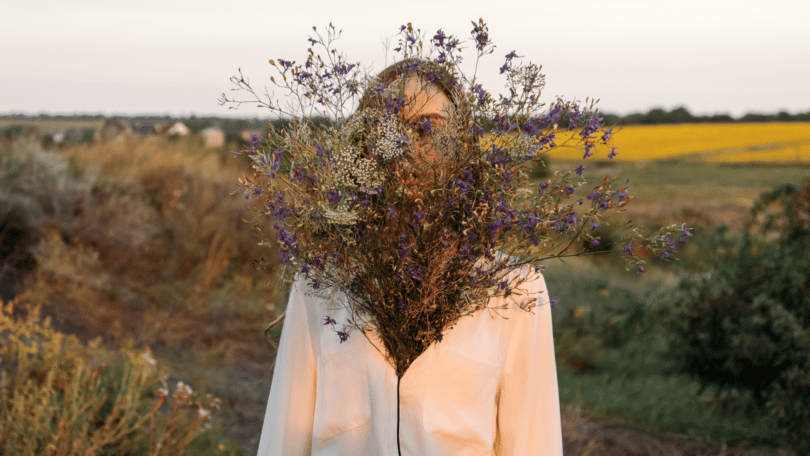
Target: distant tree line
x,y
680,114
232,127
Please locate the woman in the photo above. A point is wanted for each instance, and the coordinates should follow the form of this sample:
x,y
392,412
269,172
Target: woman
x,y
489,387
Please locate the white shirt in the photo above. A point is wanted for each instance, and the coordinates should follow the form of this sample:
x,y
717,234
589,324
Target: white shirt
x,y
488,388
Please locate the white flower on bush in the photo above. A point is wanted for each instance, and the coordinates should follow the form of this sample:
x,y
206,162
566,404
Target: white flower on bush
x,y
341,216
387,138
148,362
350,171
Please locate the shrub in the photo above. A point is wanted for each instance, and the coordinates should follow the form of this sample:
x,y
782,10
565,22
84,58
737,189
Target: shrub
x,y
579,347
57,398
16,239
747,325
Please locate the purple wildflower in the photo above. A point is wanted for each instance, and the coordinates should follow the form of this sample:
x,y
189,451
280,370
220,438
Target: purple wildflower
x,y
343,336
391,213
255,140
607,135
573,117
413,65
595,225
685,235
438,38
552,301
425,126
417,220
593,125
404,251
329,321
481,38
640,269
440,337
416,273
333,195
543,187
629,249
588,147
580,169
593,243
481,93
612,153
551,116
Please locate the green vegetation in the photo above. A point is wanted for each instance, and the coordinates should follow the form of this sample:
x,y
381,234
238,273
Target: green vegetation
x,y
140,242
733,318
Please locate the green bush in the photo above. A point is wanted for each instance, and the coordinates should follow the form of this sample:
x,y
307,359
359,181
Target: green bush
x,y
747,324
579,347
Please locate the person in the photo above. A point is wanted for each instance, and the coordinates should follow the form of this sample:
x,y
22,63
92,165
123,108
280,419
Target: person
x,y
488,388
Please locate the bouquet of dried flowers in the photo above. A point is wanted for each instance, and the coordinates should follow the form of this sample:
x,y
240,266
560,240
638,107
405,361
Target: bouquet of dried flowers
x,y
413,197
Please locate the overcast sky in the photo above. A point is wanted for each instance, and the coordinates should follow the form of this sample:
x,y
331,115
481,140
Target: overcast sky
x,y
175,56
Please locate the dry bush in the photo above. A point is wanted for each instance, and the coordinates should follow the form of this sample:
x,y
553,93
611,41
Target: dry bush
x,y
141,237
60,397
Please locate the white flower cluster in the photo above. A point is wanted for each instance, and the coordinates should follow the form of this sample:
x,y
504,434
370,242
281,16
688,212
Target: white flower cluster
x,y
385,138
341,216
349,170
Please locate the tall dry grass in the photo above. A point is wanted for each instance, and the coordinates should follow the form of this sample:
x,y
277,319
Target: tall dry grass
x,y
141,239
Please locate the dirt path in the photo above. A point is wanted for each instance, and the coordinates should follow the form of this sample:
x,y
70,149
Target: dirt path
x,y
244,389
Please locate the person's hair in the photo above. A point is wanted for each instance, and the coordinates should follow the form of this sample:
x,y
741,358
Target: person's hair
x,y
445,81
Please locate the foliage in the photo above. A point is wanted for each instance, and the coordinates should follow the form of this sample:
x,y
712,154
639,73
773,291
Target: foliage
x,y
422,219
130,238
633,381
16,239
58,396
747,325
579,347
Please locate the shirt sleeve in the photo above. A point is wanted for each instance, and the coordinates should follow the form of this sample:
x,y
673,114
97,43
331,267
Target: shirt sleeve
x,y
287,428
528,404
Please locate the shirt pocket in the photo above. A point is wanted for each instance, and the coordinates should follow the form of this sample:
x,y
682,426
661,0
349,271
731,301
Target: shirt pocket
x,y
460,403
342,400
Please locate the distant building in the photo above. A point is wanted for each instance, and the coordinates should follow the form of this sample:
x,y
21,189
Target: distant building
x,y
176,129
213,137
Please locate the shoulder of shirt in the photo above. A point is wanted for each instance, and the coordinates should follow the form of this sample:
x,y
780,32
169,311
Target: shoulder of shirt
x,y
304,287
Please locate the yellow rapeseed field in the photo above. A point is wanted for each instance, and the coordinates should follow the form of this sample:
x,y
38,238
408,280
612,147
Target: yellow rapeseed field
x,y
718,143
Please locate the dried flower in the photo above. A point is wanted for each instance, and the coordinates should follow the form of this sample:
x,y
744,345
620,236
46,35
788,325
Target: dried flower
x,y
411,214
